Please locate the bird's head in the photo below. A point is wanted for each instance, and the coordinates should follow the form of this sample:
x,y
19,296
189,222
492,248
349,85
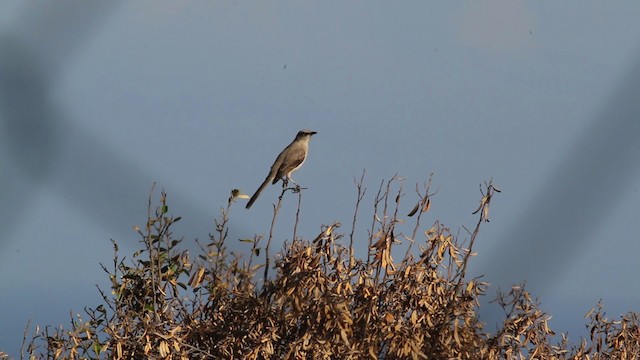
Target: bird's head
x,y
305,134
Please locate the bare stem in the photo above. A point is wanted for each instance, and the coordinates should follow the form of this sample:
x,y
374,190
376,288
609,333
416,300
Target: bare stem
x,y
423,206
276,210
360,196
295,225
376,201
24,339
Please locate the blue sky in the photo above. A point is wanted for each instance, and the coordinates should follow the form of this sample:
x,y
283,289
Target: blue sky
x,y
98,101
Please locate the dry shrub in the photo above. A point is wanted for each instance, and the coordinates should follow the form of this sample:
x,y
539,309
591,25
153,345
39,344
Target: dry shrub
x,y
322,302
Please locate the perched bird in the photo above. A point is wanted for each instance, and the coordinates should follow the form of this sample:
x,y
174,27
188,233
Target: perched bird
x,y
289,160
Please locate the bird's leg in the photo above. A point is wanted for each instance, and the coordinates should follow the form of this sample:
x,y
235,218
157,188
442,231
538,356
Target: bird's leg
x,y
297,187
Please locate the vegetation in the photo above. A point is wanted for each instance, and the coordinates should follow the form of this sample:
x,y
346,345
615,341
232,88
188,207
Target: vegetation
x,y
321,300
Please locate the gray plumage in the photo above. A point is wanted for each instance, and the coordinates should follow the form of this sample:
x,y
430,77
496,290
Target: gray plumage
x,y
288,161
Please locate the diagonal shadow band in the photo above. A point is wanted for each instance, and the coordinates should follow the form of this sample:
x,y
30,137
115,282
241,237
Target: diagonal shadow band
x,y
41,148
45,37
556,227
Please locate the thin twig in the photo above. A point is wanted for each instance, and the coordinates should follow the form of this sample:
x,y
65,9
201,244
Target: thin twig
x,y
385,228
386,197
295,225
483,209
359,198
376,201
149,243
276,210
254,246
24,339
391,232
421,210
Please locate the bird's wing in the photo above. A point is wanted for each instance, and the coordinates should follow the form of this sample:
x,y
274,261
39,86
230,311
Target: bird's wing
x,y
293,158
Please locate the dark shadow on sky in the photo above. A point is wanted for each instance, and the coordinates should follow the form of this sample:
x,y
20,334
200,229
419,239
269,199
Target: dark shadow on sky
x,y
44,149
556,227
31,124
40,147
28,133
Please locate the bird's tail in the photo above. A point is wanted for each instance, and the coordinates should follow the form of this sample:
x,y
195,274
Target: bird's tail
x,y
255,196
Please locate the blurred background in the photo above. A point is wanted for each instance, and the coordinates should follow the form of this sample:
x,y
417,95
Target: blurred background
x,y
99,100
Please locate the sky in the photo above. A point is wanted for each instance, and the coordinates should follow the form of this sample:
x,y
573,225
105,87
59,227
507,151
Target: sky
x,y
100,100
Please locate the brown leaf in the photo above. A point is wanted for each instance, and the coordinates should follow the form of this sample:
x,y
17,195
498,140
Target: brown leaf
x,y
414,210
427,205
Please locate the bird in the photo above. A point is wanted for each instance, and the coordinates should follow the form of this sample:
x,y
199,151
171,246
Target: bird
x,y
288,161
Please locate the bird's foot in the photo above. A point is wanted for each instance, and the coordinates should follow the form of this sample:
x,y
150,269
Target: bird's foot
x,y
287,180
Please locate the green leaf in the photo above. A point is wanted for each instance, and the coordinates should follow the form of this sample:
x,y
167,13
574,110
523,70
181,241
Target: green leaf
x,y
97,348
165,208
246,240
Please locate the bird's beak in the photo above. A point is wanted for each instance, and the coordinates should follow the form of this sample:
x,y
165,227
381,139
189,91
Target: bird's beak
x,y
313,132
